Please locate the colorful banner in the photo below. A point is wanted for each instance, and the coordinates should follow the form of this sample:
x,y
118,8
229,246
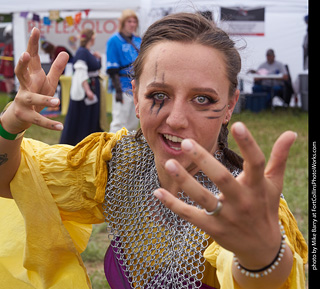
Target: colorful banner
x,y
54,14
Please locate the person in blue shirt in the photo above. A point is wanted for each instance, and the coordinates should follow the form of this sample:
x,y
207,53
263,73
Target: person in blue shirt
x,y
122,49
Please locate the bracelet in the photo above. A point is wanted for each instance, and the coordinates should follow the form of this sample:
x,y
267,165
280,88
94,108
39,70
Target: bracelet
x,y
269,268
5,134
10,136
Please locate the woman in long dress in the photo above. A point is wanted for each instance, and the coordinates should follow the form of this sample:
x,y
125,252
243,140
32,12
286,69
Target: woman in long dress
x,y
84,108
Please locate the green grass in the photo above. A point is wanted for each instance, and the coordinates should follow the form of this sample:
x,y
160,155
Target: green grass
x,y
93,256
265,126
4,99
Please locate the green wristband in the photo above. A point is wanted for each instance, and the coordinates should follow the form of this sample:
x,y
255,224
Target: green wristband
x,y
8,135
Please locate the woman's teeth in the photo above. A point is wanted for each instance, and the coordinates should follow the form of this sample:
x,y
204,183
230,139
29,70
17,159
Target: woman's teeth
x,y
174,139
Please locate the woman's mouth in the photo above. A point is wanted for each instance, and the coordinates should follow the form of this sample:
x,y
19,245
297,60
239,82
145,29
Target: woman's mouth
x,y
173,142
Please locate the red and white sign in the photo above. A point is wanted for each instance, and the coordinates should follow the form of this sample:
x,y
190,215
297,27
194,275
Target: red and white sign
x,y
61,33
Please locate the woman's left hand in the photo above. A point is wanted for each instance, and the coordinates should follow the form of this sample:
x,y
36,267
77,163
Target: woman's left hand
x,y
247,224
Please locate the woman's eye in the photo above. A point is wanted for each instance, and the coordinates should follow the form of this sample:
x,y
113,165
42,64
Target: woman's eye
x,y
159,96
202,99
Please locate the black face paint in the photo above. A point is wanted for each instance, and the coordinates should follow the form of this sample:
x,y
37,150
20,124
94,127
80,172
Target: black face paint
x,y
154,103
152,106
219,110
155,71
160,106
163,77
213,117
216,110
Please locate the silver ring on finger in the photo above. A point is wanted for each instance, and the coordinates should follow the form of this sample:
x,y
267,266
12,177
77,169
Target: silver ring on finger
x,y
216,211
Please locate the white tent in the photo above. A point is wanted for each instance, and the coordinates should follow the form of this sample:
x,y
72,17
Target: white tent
x,y
284,29
284,22
46,5
99,9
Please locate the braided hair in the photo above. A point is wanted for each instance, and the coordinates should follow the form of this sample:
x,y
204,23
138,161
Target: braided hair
x,y
229,154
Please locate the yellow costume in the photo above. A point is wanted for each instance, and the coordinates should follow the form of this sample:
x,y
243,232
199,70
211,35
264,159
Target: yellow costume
x,y
58,192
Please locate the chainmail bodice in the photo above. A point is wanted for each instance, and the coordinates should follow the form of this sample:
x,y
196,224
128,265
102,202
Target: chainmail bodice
x,y
155,247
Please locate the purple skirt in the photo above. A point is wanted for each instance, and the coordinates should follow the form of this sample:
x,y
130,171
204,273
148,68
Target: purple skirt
x,y
116,276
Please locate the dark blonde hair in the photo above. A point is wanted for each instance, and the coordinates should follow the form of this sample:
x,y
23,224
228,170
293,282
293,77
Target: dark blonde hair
x,y
85,36
124,16
194,28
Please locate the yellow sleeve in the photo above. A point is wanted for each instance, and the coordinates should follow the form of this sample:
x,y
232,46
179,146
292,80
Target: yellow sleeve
x,y
57,191
222,259
75,177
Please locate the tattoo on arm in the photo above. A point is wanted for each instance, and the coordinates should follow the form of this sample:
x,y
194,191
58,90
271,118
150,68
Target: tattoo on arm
x,y
3,159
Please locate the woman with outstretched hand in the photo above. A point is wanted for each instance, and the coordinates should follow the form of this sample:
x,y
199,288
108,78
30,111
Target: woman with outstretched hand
x,y
183,210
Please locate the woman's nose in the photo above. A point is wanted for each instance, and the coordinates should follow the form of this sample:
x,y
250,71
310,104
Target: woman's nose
x,y
178,116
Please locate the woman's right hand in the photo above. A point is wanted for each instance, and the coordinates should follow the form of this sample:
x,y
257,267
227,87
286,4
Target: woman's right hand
x,y
35,91
97,54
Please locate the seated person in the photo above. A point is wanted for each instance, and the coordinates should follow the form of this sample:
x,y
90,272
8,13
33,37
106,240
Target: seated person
x,y
271,66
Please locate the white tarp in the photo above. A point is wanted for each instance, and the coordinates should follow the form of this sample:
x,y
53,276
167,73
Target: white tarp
x,y
284,22
284,29
65,5
102,17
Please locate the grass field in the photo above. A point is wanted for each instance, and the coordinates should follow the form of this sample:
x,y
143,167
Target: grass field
x,y
265,126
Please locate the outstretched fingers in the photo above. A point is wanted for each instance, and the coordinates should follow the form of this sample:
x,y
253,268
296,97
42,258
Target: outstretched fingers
x,y
277,163
188,184
42,121
57,68
254,159
33,49
21,70
174,204
24,109
30,73
204,161
189,213
213,168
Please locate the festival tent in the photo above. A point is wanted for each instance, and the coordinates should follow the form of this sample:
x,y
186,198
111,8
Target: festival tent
x,y
283,29
26,14
283,24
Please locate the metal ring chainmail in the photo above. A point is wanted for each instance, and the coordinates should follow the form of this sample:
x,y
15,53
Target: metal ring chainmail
x,y
155,247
